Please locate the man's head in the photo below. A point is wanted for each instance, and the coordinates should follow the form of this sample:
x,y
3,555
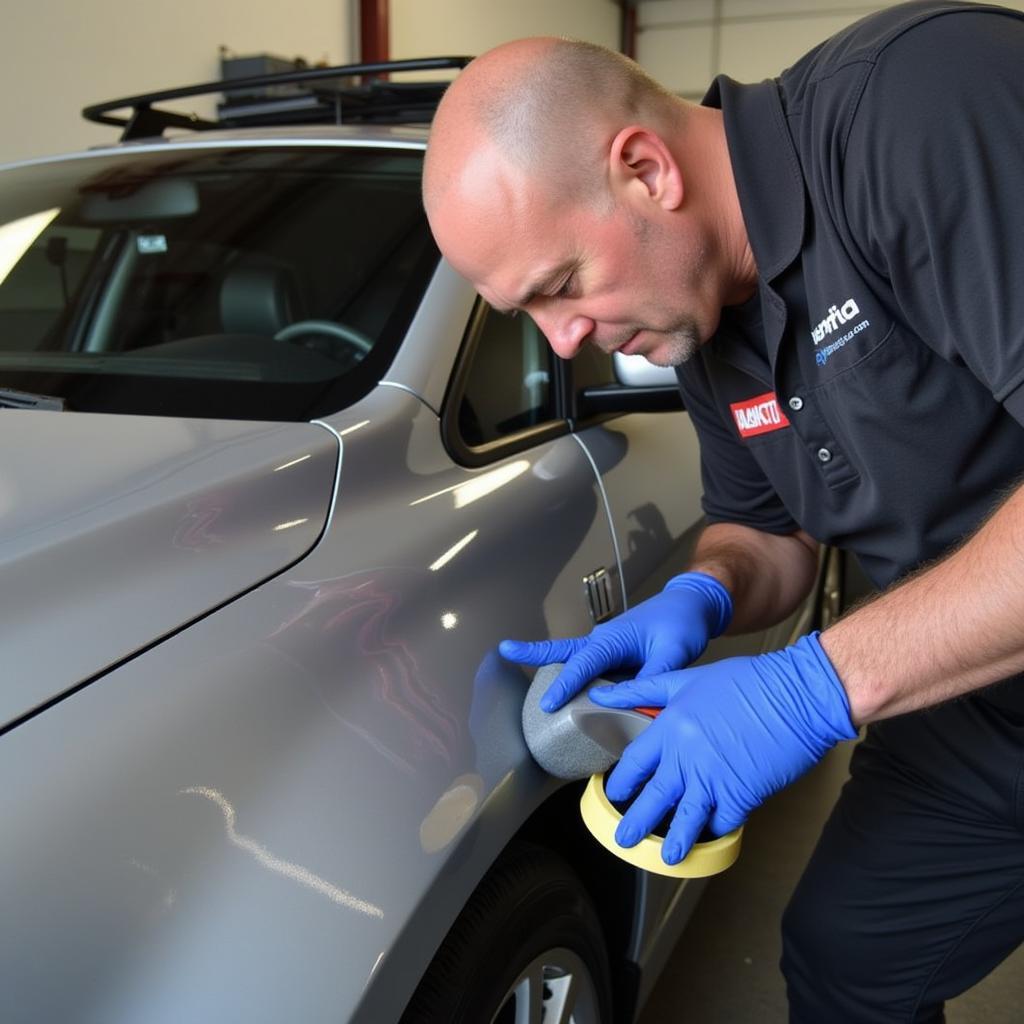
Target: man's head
x,y
561,180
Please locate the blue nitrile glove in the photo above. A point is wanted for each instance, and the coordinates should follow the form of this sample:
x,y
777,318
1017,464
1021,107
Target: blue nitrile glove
x,y
664,632
731,734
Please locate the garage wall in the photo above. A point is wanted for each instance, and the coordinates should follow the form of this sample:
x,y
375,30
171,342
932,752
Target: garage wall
x,y
452,27
60,55
685,43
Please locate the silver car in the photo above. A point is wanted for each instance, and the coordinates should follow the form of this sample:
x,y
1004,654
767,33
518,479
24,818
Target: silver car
x,y
274,483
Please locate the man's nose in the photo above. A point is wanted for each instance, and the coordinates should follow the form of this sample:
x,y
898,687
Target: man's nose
x,y
565,334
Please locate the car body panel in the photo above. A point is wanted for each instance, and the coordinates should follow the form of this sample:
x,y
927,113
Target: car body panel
x,y
423,364
116,530
651,494
312,758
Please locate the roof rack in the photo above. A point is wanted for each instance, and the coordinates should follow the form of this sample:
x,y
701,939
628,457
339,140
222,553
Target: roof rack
x,y
319,95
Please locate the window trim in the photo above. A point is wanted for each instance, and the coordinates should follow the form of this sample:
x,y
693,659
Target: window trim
x,y
474,456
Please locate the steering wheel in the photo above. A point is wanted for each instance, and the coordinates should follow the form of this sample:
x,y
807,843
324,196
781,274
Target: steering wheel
x,y
326,328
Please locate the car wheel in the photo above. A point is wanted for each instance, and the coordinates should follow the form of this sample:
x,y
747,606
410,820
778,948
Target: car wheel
x,y
527,949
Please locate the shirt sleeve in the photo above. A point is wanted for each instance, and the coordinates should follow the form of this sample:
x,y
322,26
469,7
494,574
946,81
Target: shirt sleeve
x,y
932,177
736,489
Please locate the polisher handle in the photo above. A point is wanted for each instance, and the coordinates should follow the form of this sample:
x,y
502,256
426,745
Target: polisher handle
x,y
581,738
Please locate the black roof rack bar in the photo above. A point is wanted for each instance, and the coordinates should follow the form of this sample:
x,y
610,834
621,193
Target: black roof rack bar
x,y
145,120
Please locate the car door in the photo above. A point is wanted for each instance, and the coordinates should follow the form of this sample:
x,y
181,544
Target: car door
x,y
507,399
649,466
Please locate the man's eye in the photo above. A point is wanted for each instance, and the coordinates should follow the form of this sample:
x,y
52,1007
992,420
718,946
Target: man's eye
x,y
566,287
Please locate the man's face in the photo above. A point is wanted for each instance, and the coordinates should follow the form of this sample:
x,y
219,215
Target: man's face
x,y
613,274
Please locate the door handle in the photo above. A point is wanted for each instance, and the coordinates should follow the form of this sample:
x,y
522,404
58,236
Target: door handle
x,y
597,587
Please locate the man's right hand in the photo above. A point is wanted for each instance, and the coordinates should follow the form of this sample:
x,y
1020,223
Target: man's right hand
x,y
663,633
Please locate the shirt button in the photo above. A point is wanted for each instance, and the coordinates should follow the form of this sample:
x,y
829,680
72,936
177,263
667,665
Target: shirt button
x,y
824,455
796,403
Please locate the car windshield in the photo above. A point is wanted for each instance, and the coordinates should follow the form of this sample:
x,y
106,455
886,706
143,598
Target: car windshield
x,y
263,282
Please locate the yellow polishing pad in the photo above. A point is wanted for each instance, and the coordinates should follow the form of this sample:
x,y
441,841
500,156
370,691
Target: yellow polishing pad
x,y
601,817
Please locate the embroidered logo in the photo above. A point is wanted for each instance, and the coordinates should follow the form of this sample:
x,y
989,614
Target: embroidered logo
x,y
758,415
838,317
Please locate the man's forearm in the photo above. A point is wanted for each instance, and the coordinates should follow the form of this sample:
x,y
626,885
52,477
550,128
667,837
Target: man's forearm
x,y
952,628
767,575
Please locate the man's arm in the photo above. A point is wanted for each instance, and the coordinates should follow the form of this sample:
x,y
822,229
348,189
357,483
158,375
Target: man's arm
x,y
767,574
950,629
764,576
735,731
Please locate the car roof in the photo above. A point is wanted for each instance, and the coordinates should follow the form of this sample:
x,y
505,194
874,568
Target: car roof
x,y
379,136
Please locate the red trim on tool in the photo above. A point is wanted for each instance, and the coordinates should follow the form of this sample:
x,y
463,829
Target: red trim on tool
x,y
650,712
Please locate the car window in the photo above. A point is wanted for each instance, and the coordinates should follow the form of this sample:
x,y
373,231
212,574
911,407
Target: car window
x,y
591,368
38,287
266,282
509,386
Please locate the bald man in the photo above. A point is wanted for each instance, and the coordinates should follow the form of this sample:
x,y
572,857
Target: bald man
x,y
832,261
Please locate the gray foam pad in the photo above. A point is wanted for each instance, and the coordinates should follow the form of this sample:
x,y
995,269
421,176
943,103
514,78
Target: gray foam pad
x,y
580,739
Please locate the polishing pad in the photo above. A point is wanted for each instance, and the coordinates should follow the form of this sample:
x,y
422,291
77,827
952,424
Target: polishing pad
x,y
583,739
602,818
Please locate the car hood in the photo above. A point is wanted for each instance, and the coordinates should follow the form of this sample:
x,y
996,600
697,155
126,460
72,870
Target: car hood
x,y
115,531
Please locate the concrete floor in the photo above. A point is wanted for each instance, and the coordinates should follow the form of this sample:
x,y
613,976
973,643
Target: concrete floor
x,y
725,968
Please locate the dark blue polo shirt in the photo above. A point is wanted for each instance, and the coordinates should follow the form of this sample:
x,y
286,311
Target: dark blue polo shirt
x,y
872,391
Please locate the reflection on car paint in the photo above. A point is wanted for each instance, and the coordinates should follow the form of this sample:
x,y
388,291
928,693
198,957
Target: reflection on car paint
x,y
293,462
196,531
290,524
361,611
454,809
296,872
471,490
355,426
444,559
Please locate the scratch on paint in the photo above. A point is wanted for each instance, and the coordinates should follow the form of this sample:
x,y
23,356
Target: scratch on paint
x,y
283,867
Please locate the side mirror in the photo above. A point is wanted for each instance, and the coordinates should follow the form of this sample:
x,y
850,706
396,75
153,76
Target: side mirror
x,y
641,387
637,372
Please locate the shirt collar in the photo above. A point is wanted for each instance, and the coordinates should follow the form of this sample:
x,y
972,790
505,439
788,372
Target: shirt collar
x,y
765,166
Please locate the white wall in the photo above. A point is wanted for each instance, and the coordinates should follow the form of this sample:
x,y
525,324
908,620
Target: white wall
x,y
685,43
57,56
421,28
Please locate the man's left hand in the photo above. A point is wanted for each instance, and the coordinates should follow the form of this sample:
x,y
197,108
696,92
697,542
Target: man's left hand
x,y
731,734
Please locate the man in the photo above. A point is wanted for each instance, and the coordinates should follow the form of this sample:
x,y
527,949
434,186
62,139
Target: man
x,y
833,261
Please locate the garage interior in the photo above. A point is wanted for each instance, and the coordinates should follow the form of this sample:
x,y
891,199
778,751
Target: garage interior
x,y
724,969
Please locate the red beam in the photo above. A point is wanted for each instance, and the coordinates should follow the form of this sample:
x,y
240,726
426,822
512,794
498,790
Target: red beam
x,y
374,37
627,41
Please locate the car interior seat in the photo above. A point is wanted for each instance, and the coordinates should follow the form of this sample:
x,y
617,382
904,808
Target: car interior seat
x,y
258,300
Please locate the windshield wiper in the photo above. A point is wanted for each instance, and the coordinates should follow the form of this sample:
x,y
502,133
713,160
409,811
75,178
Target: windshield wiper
x,y
11,399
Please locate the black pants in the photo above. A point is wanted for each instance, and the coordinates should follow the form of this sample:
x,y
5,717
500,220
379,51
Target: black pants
x,y
916,888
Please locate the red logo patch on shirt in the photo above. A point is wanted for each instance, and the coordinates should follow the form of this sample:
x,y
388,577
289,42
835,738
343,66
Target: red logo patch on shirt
x,y
758,415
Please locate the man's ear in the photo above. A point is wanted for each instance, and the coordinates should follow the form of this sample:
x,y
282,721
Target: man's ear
x,y
639,156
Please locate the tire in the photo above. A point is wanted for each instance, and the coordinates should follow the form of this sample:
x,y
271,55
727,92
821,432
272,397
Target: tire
x,y
527,949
